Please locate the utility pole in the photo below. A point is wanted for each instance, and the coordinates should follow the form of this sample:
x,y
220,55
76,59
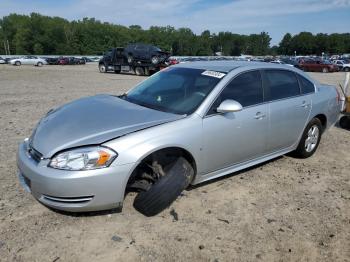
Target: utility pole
x,y
5,47
8,47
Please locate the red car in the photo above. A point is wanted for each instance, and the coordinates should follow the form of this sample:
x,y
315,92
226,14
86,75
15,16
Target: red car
x,y
318,66
63,61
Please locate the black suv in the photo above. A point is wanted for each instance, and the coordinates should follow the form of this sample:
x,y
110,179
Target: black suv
x,y
145,53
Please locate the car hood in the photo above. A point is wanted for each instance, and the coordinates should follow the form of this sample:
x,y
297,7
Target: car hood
x,y
91,121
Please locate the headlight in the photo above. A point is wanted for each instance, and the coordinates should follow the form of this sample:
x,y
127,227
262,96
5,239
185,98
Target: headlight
x,y
85,158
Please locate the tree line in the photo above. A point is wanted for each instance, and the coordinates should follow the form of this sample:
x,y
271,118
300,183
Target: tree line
x,y
38,34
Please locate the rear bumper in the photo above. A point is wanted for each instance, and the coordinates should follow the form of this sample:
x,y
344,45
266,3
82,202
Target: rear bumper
x,y
75,191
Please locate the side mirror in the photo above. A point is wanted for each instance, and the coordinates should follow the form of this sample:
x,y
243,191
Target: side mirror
x,y
228,106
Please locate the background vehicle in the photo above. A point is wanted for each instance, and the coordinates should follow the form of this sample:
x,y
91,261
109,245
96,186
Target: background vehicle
x,y
145,53
138,61
63,61
2,61
317,66
343,65
52,60
28,60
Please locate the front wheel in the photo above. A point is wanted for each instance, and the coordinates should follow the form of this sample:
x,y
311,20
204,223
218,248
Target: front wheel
x,y
325,70
40,64
17,63
347,69
102,68
310,139
130,59
166,189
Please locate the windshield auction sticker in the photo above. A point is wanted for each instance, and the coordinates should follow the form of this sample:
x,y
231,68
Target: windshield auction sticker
x,y
213,74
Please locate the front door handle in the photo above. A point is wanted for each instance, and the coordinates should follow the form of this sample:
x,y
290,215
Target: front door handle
x,y
259,115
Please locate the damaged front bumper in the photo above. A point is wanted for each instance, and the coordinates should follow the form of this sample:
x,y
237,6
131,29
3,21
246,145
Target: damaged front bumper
x,y
74,191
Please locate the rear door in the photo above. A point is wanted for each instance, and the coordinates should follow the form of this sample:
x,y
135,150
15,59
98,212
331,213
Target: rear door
x,y
289,108
233,138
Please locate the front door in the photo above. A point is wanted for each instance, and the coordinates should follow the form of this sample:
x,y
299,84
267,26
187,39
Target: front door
x,y
232,138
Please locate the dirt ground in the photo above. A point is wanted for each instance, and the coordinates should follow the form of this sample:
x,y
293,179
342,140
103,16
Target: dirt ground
x,y
285,210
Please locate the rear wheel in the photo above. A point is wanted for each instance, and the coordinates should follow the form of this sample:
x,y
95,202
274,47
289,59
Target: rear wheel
x,y
102,68
347,69
344,122
39,64
164,190
310,139
325,70
17,63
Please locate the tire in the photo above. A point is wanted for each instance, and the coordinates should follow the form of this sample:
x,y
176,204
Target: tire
x,y
347,69
130,59
40,64
310,139
17,63
325,70
102,68
139,71
166,189
344,122
155,60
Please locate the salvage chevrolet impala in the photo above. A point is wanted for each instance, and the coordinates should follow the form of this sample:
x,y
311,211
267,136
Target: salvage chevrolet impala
x,y
187,124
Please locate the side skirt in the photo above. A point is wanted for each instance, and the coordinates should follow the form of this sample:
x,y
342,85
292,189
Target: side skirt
x,y
240,166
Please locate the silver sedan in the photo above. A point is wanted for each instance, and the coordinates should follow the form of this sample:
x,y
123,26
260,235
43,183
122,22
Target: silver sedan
x,y
28,60
184,125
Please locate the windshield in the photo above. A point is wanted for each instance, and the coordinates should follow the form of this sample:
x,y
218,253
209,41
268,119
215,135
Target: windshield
x,y
175,90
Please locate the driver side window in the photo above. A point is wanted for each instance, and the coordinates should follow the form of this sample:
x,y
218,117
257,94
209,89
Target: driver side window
x,y
245,88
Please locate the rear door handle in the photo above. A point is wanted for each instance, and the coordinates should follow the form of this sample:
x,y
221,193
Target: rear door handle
x,y
304,104
259,115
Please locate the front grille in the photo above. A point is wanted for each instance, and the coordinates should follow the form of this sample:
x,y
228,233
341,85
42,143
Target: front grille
x,y
35,155
68,200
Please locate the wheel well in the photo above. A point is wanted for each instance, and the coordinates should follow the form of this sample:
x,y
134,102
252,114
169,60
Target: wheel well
x,y
163,157
323,120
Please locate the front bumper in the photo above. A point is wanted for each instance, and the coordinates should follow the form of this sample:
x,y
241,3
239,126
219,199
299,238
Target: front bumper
x,y
75,191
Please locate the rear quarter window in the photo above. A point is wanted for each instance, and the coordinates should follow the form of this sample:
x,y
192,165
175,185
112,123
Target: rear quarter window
x,y
305,85
281,84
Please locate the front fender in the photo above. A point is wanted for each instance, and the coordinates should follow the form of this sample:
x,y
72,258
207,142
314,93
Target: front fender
x,y
184,133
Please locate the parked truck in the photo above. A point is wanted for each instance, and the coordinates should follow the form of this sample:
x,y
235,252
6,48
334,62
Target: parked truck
x,y
141,59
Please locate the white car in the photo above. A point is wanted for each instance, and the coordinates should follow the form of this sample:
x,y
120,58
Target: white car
x,y
342,65
2,61
28,60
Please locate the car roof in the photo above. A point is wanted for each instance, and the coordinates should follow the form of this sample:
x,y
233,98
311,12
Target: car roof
x,y
227,66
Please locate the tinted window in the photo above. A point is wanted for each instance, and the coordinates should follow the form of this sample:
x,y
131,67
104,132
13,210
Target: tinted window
x,y
245,89
281,84
306,85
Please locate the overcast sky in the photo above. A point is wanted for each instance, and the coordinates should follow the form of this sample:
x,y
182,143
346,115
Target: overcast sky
x,y
239,16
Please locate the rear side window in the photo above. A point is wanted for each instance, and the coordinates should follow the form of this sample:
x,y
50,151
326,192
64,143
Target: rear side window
x,y
306,86
281,84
